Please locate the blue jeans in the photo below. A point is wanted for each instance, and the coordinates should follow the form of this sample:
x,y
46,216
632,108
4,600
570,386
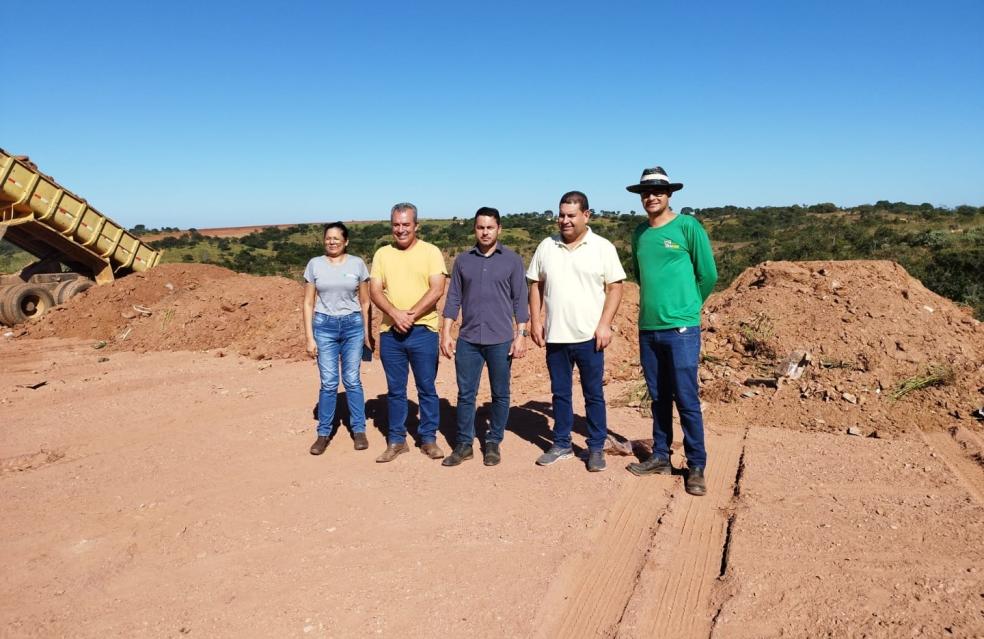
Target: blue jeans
x,y
340,335
400,352
468,361
561,359
669,363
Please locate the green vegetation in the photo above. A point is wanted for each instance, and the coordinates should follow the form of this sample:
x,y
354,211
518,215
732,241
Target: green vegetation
x,y
140,229
12,259
942,247
937,375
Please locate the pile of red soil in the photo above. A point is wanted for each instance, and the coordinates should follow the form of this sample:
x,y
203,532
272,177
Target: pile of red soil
x,y
186,307
868,326
204,307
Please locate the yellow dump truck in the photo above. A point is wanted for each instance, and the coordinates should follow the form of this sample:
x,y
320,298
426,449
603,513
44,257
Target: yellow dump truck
x,y
76,245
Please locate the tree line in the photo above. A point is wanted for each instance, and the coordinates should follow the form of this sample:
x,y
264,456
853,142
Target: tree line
x,y
942,247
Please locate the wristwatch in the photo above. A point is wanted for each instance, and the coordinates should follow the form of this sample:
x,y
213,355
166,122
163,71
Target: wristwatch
x,y
524,332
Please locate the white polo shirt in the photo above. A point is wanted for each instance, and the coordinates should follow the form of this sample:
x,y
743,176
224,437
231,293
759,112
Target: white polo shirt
x,y
574,284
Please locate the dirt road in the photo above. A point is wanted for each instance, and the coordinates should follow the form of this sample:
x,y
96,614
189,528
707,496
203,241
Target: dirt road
x,y
171,494
155,479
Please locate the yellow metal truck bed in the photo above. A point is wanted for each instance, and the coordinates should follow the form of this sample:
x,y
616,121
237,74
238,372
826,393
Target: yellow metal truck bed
x,y
43,218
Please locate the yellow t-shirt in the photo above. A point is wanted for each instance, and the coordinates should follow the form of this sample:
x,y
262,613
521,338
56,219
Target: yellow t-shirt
x,y
404,275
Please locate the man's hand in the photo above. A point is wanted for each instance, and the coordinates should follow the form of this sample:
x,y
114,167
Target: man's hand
x,y
538,334
603,336
369,342
312,348
518,348
402,320
447,342
447,346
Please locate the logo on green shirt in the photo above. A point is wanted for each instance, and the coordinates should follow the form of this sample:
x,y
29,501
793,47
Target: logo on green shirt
x,y
670,244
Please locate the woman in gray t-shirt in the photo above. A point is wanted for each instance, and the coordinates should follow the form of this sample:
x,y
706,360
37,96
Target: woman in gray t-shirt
x,y
337,325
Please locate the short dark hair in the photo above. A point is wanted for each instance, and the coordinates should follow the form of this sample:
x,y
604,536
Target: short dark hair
x,y
335,225
489,212
575,197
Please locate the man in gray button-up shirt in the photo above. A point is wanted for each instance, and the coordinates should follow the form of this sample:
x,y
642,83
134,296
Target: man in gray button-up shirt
x,y
488,286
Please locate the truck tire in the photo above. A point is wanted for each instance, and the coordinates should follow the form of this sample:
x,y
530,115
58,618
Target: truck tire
x,y
24,302
68,289
3,296
5,292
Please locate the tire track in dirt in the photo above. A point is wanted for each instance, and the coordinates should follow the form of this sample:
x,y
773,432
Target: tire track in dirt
x,y
29,461
957,449
970,442
588,596
652,567
674,593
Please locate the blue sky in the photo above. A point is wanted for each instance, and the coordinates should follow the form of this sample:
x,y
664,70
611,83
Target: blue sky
x,y
204,114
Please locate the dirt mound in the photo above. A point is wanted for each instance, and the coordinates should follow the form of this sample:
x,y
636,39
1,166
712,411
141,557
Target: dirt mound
x,y
203,307
868,327
872,314
186,307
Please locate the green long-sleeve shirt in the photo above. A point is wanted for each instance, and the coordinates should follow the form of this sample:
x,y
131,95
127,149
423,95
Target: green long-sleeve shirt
x,y
676,272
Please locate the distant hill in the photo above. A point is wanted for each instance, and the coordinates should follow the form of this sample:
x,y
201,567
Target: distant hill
x,y
153,235
942,247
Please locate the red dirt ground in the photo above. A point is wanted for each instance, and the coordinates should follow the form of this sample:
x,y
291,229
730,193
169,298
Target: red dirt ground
x,y
156,482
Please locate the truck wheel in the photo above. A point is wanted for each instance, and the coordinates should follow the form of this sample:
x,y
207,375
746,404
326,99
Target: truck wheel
x,y
3,297
25,302
68,289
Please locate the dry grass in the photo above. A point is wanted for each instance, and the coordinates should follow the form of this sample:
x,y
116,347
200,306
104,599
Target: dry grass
x,y
636,396
936,375
757,334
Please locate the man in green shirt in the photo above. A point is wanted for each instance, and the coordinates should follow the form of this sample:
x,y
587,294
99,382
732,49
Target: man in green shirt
x,y
676,271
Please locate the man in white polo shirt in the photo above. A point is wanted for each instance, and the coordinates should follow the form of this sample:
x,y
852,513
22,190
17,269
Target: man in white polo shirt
x,y
577,277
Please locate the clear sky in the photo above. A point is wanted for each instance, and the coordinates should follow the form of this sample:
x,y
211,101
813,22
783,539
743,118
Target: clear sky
x,y
204,114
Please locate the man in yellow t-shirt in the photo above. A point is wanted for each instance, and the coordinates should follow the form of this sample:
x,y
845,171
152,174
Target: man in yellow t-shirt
x,y
405,283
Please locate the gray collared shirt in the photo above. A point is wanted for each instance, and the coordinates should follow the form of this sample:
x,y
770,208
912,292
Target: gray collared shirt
x,y
489,291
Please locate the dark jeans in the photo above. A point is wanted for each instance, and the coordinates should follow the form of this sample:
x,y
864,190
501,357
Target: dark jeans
x,y
561,359
400,352
468,362
669,363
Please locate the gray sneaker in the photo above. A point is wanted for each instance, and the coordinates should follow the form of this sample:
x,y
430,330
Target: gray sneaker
x,y
555,454
596,461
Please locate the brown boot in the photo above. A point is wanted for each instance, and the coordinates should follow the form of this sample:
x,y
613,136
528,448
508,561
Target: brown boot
x,y
392,450
360,441
319,445
432,450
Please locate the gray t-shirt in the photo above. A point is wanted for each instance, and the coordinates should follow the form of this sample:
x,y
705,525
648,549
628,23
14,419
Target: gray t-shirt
x,y
337,284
